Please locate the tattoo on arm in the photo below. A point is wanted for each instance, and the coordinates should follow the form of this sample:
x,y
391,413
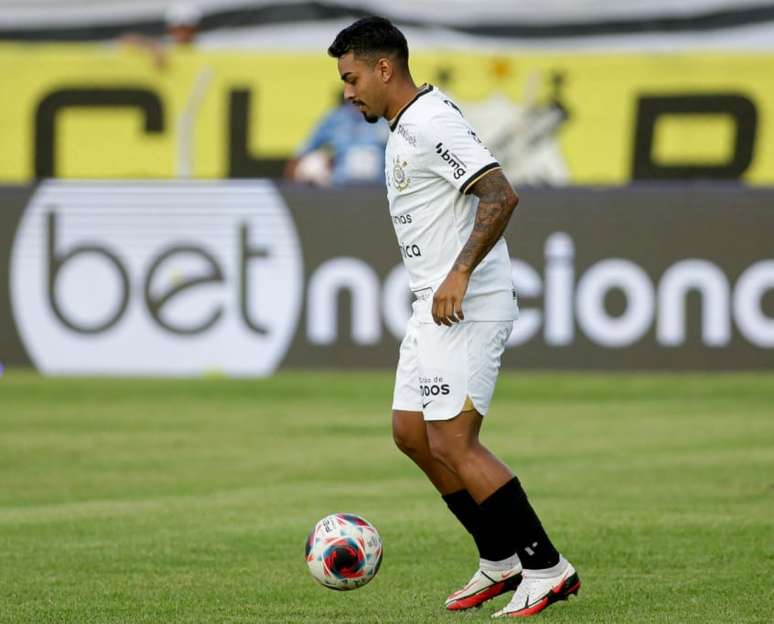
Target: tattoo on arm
x,y
496,203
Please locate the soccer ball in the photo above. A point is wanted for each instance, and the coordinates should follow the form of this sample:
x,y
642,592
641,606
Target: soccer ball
x,y
343,551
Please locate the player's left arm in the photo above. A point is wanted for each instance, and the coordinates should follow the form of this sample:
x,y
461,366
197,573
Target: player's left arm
x,y
497,199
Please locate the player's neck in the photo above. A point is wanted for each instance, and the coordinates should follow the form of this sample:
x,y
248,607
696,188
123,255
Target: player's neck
x,y
403,95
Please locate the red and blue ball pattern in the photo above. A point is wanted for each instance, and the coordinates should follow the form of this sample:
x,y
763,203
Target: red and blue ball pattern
x,y
343,551
344,558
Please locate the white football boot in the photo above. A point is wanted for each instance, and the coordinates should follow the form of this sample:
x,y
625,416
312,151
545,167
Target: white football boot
x,y
540,588
485,585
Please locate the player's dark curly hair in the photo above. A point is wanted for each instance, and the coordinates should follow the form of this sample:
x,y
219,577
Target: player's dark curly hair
x,y
371,37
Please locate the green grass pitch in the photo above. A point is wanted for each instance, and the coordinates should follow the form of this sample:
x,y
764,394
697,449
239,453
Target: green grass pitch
x,y
153,501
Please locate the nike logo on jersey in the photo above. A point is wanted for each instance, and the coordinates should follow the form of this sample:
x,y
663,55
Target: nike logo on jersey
x,y
424,405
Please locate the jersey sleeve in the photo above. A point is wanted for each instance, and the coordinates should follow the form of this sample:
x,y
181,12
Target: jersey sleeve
x,y
454,151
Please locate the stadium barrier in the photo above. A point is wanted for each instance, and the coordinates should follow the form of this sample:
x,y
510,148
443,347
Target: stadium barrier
x,y
244,277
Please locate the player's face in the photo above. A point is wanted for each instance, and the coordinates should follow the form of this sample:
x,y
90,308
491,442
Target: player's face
x,y
363,86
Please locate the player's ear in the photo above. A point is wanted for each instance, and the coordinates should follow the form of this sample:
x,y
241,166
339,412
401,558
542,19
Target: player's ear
x,y
384,69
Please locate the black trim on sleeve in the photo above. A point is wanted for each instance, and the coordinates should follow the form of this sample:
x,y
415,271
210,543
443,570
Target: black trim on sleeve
x,y
469,182
420,93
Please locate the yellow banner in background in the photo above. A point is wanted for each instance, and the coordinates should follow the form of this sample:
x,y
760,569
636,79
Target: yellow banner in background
x,y
107,111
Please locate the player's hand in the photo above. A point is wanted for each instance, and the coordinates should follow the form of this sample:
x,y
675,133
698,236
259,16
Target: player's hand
x,y
447,301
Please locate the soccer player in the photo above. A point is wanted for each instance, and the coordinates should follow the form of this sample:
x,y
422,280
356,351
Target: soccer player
x,y
450,204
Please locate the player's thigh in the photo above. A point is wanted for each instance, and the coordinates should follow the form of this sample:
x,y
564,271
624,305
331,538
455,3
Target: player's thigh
x,y
442,362
458,366
409,432
406,396
446,437
486,345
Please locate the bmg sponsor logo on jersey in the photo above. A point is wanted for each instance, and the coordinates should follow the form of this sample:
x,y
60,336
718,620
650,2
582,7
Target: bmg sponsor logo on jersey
x,y
458,167
156,278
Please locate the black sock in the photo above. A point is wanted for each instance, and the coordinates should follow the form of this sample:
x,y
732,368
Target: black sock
x,y
517,525
470,515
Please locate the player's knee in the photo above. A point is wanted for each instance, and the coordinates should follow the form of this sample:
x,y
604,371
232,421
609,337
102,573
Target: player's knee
x,y
406,444
446,452
410,441
450,450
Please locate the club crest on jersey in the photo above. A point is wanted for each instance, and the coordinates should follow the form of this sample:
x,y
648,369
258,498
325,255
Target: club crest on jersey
x,y
400,180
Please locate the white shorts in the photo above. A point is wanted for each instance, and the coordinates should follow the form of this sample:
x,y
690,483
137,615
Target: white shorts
x,y
441,367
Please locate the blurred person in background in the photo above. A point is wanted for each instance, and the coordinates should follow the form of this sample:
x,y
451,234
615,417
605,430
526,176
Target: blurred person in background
x,y
524,134
343,149
182,22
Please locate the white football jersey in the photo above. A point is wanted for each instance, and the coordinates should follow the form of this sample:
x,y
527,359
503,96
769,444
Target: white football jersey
x,y
433,158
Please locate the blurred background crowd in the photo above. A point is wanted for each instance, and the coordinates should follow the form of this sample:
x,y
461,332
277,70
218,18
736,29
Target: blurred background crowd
x,y
565,91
